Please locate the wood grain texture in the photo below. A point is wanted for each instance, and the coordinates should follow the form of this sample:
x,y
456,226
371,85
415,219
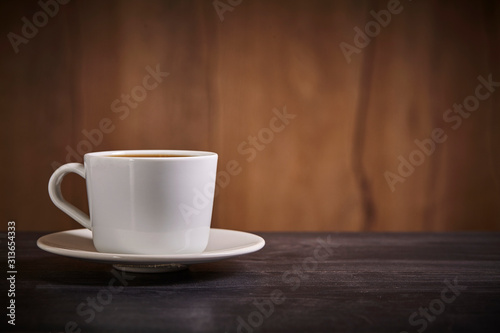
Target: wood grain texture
x,y
364,282
324,169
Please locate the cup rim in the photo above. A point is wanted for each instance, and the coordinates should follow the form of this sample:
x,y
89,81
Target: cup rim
x,y
117,153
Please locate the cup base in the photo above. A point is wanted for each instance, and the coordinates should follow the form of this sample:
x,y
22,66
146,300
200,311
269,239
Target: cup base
x,y
158,268
130,241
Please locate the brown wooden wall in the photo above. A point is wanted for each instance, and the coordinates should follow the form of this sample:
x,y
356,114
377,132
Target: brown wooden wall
x,y
323,170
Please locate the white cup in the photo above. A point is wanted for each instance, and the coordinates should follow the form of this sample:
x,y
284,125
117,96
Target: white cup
x,y
143,204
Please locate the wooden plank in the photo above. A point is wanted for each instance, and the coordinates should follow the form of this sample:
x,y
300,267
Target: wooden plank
x,y
324,170
418,74
38,88
289,59
362,282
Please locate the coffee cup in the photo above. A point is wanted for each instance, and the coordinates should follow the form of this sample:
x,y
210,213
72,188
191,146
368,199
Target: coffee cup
x,y
152,202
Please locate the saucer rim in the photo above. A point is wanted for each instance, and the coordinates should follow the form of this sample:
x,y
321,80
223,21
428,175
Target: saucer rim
x,y
116,258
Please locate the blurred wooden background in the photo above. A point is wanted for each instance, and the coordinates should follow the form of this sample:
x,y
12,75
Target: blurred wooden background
x,y
324,170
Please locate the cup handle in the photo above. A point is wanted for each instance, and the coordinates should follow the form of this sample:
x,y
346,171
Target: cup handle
x,y
57,197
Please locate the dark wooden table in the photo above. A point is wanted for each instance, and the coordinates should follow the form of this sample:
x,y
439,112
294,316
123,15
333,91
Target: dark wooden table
x,y
299,282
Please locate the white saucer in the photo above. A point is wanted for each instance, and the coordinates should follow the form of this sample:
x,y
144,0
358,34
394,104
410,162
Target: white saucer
x,y
222,244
